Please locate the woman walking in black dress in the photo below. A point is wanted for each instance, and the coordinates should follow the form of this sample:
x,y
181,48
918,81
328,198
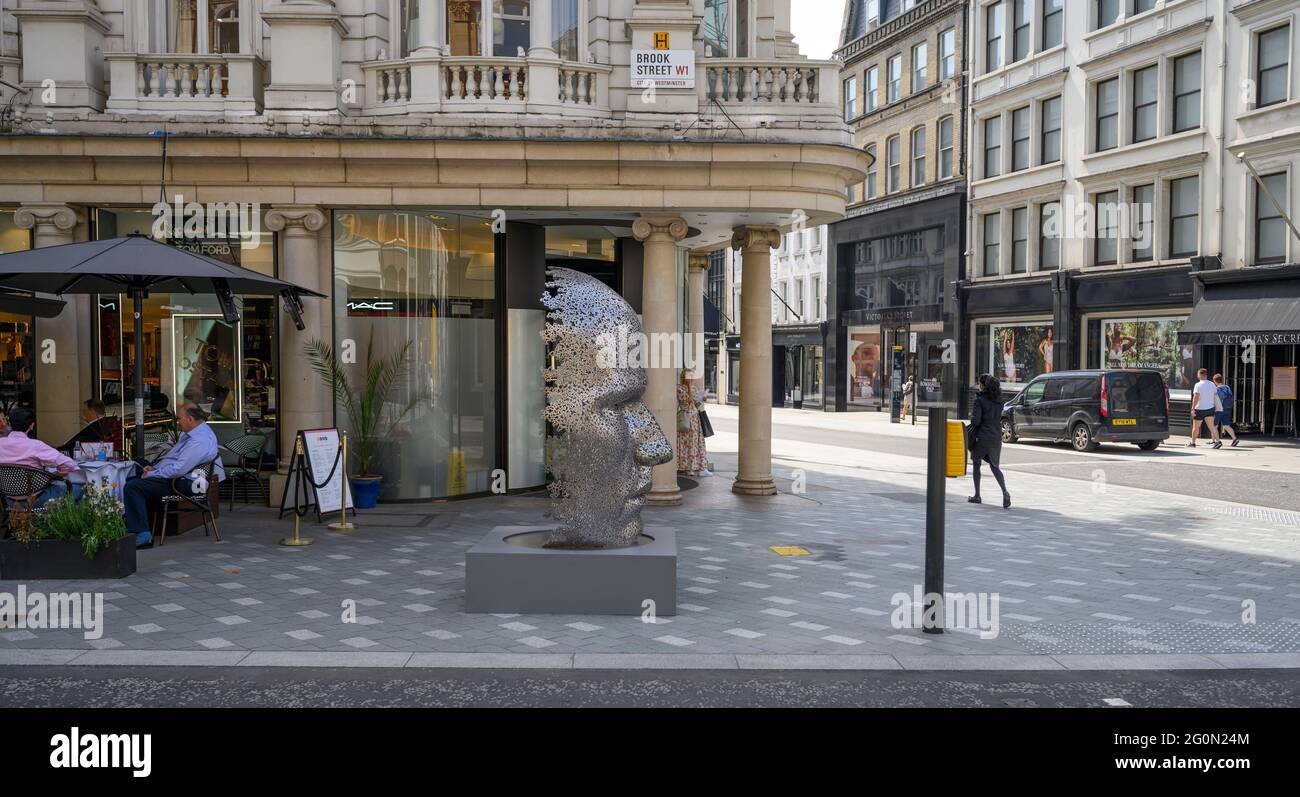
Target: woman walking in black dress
x,y
986,435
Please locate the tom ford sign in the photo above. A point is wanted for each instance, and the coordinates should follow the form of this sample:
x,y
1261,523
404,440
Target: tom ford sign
x,y
663,69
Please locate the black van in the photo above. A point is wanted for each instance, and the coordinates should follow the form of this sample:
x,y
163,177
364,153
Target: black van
x,y
1087,408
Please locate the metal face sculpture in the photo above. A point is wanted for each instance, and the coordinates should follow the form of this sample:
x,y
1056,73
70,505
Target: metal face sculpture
x,y
607,438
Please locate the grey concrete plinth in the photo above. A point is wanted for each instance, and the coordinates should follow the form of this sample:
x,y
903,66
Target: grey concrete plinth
x,y
521,577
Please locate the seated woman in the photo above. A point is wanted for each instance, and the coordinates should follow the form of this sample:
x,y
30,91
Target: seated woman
x,y
96,430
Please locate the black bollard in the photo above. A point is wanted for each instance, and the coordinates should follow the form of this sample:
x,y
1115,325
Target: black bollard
x,y
935,473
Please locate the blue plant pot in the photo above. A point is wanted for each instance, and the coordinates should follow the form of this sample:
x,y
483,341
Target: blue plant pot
x,y
365,492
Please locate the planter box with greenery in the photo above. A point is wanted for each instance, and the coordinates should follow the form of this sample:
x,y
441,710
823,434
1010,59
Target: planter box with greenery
x,y
68,539
364,403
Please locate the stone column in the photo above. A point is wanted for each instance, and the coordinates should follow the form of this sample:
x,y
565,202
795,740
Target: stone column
x,y
659,235
540,37
304,399
427,31
754,471
697,275
57,356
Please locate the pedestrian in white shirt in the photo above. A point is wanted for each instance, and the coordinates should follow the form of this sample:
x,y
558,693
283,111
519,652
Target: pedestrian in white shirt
x,y
1205,400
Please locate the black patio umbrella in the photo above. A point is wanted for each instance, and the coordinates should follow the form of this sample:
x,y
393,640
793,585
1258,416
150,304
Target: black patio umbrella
x,y
136,265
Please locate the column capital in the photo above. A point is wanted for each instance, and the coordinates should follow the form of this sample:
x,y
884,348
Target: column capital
x,y
296,220
54,214
755,237
698,261
660,228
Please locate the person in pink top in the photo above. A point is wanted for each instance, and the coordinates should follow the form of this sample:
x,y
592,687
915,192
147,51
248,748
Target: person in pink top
x,y
20,447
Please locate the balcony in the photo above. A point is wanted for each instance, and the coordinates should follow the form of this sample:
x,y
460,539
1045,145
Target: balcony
x,y
748,81
474,84
227,84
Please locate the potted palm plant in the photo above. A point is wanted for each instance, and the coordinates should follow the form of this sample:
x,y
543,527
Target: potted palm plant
x,y
365,403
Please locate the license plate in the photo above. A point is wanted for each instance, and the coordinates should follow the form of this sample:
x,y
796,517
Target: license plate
x,y
1123,422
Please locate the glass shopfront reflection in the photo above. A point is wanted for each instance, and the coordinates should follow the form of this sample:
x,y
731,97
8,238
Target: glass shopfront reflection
x,y
17,332
190,353
428,278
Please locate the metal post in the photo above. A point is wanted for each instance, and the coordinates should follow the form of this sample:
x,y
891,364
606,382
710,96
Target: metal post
x,y
344,524
137,297
297,540
935,487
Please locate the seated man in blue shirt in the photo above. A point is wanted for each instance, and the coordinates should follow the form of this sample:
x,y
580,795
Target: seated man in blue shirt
x,y
196,447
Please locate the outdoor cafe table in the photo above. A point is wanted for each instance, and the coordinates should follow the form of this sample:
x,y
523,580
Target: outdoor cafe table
x,y
107,475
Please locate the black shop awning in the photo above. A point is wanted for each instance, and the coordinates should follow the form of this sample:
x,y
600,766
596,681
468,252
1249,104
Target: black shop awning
x,y
1229,321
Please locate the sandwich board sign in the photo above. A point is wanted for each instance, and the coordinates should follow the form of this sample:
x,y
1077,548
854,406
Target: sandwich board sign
x,y
319,462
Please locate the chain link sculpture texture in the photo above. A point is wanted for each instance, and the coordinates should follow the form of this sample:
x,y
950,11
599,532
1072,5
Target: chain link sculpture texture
x,y
607,437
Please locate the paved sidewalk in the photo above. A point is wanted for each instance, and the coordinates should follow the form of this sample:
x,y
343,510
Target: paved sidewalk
x,y
1110,578
1276,454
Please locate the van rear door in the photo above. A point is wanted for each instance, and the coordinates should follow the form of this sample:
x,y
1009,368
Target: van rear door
x,y
1137,402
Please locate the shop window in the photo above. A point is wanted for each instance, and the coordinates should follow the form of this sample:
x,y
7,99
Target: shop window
x,y
190,353
17,333
427,278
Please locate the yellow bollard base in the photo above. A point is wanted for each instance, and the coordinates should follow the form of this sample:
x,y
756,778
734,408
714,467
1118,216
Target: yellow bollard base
x,y
343,525
296,541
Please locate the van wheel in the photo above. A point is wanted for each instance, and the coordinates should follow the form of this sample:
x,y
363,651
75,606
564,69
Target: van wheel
x,y
1149,445
1081,438
1008,432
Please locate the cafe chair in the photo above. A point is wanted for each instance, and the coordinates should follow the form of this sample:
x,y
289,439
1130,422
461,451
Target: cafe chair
x,y
21,485
171,505
248,451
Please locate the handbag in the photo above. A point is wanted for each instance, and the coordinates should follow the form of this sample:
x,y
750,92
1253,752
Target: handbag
x,y
706,426
683,421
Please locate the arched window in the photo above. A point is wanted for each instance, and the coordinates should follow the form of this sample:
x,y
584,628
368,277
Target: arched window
x,y
918,157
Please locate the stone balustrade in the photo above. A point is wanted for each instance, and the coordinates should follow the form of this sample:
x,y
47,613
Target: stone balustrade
x,y
184,82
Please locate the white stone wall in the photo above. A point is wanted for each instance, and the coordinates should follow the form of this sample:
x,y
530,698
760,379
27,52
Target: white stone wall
x,y
1071,71
1269,136
801,256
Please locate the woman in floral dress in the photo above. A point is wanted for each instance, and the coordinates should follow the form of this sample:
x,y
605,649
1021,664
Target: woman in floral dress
x,y
690,436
